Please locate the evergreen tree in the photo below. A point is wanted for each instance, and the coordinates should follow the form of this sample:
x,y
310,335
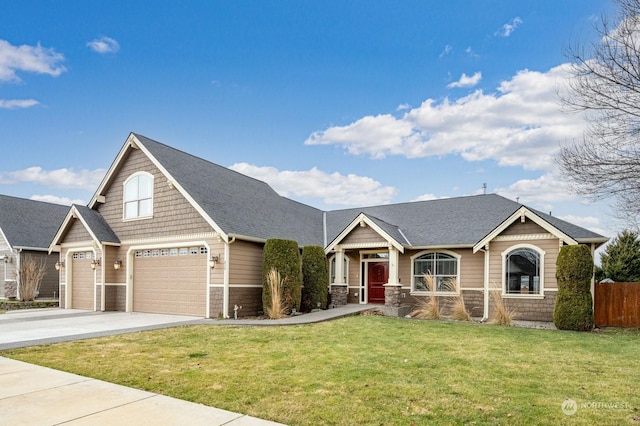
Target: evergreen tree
x,y
621,259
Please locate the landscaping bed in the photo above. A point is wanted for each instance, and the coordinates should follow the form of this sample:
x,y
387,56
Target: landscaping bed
x,y
11,305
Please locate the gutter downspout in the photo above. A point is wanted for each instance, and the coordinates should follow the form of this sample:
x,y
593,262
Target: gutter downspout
x,y
225,288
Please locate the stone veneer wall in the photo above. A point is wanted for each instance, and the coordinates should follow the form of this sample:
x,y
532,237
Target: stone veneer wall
x,y
10,289
249,298
215,302
533,309
115,298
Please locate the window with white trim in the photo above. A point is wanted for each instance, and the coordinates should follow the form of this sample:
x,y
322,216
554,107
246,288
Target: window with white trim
x,y
522,269
437,268
138,196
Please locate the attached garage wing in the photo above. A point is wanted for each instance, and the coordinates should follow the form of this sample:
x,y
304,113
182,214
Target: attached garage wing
x,y
170,281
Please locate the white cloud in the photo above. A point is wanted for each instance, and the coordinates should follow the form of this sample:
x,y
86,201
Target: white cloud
x,y
65,201
428,197
541,192
466,81
17,103
104,45
35,59
447,49
60,178
508,28
332,188
519,125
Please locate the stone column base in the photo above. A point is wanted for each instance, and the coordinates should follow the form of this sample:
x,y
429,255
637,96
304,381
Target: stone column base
x,y
339,294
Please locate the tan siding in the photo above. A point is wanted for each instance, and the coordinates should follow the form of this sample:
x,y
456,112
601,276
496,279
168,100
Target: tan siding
x,y
551,248
77,232
172,213
353,278
245,263
362,235
519,228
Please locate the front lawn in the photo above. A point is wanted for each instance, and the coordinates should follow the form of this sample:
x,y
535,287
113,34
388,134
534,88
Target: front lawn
x,y
373,370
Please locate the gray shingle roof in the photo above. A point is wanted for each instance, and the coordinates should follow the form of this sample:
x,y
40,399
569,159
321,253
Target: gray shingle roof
x,y
245,206
462,221
459,221
97,225
239,204
29,223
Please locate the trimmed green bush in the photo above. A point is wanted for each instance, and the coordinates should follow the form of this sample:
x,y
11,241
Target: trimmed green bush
x,y
315,278
574,269
284,257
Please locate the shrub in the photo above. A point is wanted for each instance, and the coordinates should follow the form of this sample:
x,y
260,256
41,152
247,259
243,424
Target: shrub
x,y
276,308
284,256
459,310
315,278
502,314
428,308
574,270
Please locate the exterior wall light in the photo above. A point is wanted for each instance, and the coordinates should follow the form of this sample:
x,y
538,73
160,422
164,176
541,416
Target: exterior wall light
x,y
213,261
117,264
59,265
95,263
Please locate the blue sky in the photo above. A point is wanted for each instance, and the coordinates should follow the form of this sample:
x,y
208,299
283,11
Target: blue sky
x,y
334,103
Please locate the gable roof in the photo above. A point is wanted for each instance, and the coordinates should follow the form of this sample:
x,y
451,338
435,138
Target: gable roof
x,y
29,224
452,222
92,221
234,204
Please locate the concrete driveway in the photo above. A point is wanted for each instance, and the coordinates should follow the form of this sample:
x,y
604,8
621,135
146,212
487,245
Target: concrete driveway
x,y
32,327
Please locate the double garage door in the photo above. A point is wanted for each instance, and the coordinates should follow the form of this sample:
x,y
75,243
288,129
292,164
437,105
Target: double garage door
x,y
170,281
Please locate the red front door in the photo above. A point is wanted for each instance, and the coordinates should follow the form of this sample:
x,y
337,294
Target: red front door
x,y
377,277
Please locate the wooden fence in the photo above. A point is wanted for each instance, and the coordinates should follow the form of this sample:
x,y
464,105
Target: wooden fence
x,y
617,304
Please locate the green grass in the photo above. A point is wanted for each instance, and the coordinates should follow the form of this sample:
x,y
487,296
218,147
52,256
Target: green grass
x,y
373,370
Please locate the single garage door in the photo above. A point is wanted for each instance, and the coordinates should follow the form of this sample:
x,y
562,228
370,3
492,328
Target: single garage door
x,y
82,286
171,281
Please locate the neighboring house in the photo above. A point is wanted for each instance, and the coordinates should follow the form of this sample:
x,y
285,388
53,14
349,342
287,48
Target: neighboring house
x,y
26,230
169,232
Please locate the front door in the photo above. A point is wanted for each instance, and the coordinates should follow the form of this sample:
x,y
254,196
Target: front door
x,y
377,277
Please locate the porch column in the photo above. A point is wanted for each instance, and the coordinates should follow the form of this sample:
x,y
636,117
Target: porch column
x,y
393,288
339,288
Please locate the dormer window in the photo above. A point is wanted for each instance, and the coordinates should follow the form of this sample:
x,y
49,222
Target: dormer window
x,y
138,196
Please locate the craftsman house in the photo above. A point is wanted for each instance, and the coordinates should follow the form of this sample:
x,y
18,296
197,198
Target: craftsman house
x,y
168,232
26,230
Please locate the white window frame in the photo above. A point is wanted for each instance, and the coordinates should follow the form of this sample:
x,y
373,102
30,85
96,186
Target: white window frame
x,y
137,200
413,258
541,254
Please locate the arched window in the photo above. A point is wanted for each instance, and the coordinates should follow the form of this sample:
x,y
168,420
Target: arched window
x,y
523,271
138,196
440,268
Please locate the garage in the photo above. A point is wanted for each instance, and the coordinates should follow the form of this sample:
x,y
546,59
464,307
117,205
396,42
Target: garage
x,y
170,281
82,277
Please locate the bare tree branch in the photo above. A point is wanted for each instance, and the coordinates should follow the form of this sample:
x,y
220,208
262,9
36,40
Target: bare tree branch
x,y
605,86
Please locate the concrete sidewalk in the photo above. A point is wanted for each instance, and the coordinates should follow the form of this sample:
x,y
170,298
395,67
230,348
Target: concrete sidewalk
x,y
33,395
